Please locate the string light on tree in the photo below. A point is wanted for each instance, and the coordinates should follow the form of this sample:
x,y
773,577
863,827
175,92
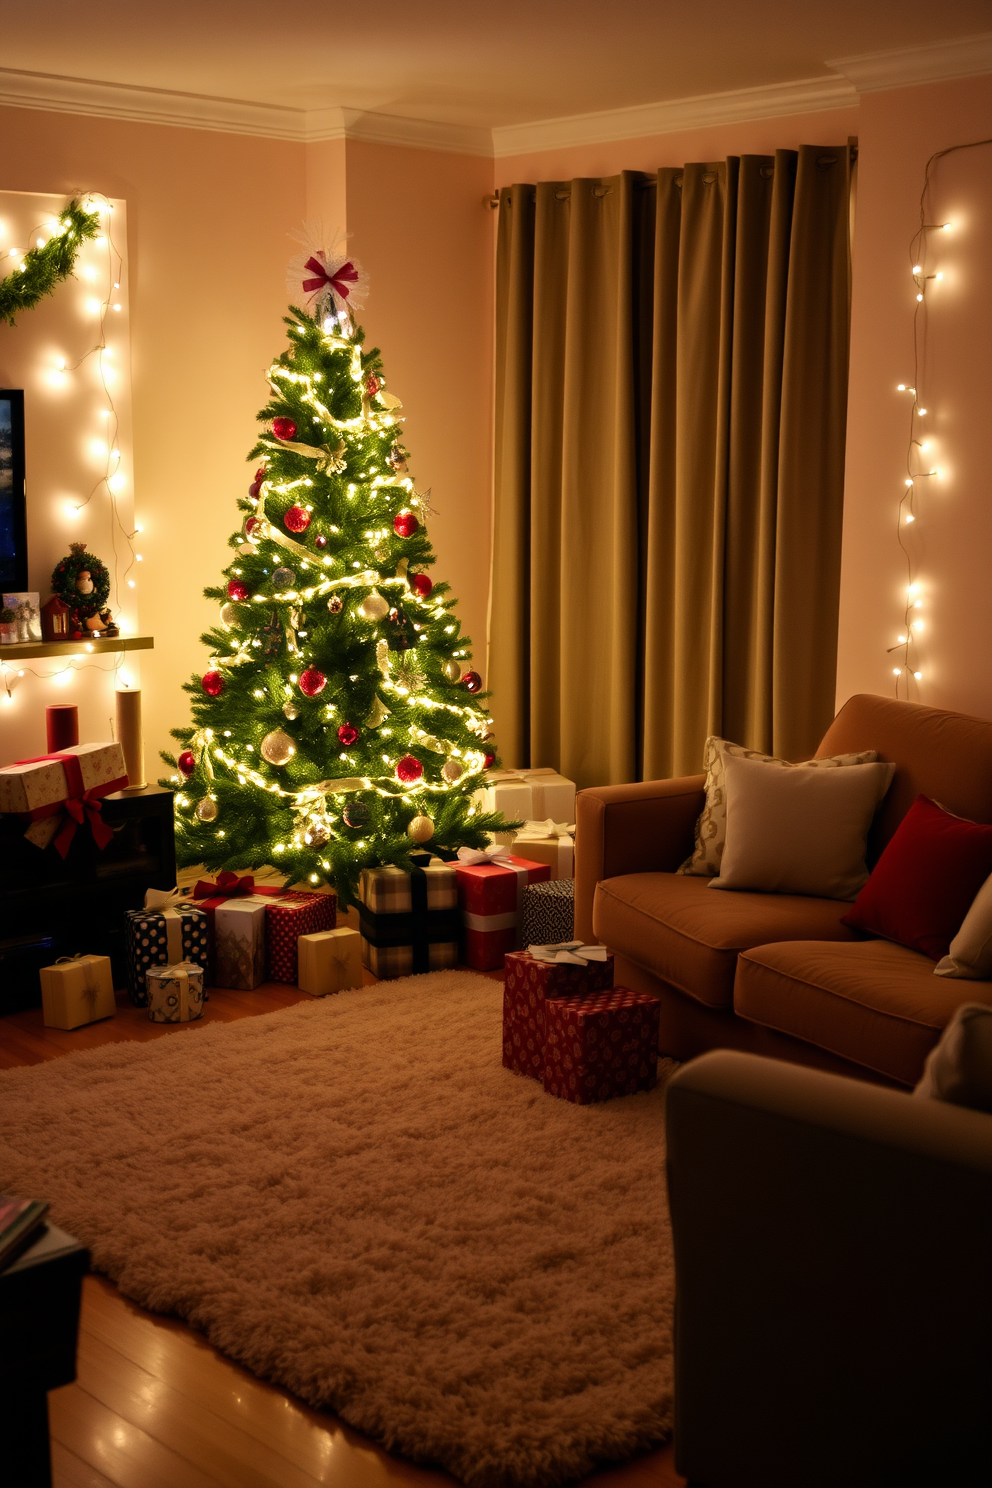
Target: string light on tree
x,y
343,732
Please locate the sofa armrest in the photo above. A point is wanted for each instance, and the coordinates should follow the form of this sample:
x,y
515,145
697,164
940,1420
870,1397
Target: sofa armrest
x,y
834,1294
647,827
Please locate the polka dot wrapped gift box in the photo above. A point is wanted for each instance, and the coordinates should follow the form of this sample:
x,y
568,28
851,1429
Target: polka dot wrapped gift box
x,y
166,932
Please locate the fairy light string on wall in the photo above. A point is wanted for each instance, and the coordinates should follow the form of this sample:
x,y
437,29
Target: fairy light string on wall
x,y
920,467
105,303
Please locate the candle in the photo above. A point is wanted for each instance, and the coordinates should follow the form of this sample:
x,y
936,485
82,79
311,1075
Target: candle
x,y
62,726
129,735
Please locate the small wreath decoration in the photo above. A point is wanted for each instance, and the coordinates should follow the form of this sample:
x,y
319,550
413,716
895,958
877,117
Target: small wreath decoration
x,y
41,269
81,568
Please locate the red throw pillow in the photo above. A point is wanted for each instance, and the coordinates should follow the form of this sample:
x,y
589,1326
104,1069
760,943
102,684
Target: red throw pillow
x,y
922,886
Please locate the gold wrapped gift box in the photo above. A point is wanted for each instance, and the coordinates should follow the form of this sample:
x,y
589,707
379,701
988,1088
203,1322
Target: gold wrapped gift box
x,y
77,990
330,961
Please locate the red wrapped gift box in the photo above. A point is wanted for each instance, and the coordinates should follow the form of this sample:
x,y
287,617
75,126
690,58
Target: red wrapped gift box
x,y
292,914
489,899
529,982
601,1046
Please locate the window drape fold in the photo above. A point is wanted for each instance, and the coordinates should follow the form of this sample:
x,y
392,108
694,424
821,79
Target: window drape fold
x,y
671,383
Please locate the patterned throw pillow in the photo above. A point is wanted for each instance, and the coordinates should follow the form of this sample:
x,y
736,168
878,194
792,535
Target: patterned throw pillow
x,y
711,828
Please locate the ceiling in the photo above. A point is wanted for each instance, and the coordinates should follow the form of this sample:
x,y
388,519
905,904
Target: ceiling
x,y
484,63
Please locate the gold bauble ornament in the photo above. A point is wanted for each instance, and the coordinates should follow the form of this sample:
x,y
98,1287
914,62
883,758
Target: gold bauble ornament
x,y
374,607
452,771
421,829
452,670
316,834
228,616
206,809
277,748
291,711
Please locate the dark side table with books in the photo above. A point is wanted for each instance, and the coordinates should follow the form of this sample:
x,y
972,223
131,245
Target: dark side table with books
x,y
40,1292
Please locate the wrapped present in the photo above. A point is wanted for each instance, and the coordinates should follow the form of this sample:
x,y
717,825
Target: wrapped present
x,y
409,921
290,913
559,971
77,990
168,930
506,791
529,794
548,842
490,885
58,793
330,961
175,993
547,912
552,794
235,930
601,1045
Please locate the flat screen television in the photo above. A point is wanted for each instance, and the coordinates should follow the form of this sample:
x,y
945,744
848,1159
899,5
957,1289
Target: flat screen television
x,y
13,524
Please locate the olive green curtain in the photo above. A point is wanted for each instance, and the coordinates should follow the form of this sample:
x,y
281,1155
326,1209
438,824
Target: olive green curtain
x,y
671,389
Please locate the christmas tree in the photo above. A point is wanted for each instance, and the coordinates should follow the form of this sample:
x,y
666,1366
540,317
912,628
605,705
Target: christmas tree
x,y
338,724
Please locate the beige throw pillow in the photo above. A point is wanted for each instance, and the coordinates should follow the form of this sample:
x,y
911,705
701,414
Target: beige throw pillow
x,y
970,953
959,1069
799,831
711,827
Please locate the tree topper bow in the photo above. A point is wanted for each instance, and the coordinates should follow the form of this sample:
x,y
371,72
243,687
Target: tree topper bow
x,y
329,278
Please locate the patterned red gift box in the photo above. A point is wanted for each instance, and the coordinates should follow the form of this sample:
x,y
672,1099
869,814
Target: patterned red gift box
x,y
528,983
489,898
601,1046
292,914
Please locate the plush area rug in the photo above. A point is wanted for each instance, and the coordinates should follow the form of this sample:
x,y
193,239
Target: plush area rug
x,y
354,1199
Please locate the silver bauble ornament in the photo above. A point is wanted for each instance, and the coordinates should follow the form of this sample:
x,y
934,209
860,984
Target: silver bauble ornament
x,y
452,771
335,604
421,829
291,711
283,578
374,607
228,616
452,670
277,748
206,809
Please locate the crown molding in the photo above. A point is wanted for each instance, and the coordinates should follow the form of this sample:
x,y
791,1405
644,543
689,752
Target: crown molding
x,y
390,129
965,56
806,96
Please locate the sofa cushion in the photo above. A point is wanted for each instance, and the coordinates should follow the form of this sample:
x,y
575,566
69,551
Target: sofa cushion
x,y
874,1003
674,927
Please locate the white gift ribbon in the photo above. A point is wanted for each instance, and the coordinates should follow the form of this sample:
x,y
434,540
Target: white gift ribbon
x,y
489,922
569,953
534,830
165,900
497,853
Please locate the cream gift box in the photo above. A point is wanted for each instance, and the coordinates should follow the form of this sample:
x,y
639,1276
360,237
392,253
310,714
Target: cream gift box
x,y
330,961
77,990
175,993
239,943
548,842
528,795
33,784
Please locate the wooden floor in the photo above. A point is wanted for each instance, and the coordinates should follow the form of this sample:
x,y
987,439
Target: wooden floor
x,y
155,1406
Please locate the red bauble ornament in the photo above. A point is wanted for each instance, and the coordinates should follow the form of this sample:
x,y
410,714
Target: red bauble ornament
x,y
472,682
409,769
489,759
260,473
237,589
284,428
320,541
312,682
252,525
421,584
187,762
405,524
372,385
255,490
213,683
348,734
296,519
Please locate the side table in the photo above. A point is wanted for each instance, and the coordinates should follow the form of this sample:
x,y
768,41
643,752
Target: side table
x,y
39,1323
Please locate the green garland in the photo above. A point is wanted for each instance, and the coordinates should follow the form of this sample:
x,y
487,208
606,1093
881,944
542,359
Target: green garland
x,y
43,268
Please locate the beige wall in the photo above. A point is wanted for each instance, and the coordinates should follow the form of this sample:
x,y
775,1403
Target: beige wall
x,y
952,538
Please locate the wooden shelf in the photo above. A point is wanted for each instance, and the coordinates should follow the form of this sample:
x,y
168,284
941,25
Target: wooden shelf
x,y
80,648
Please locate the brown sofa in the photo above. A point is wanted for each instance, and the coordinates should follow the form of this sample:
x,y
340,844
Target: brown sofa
x,y
778,974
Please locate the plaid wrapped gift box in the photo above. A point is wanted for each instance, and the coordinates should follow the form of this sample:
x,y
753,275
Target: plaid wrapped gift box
x,y
292,914
547,912
490,889
529,982
162,935
601,1046
409,921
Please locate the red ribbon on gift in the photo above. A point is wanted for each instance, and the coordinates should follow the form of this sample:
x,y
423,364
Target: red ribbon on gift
x,y
80,806
228,886
339,281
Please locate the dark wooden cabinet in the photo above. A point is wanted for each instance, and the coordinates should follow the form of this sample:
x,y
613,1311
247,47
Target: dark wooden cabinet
x,y
52,906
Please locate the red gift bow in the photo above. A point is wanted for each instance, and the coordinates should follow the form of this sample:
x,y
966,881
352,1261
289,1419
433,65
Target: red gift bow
x,y
339,281
228,886
80,805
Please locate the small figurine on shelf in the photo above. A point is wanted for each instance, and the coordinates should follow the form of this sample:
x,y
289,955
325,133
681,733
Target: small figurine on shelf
x,y
8,625
82,583
55,619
